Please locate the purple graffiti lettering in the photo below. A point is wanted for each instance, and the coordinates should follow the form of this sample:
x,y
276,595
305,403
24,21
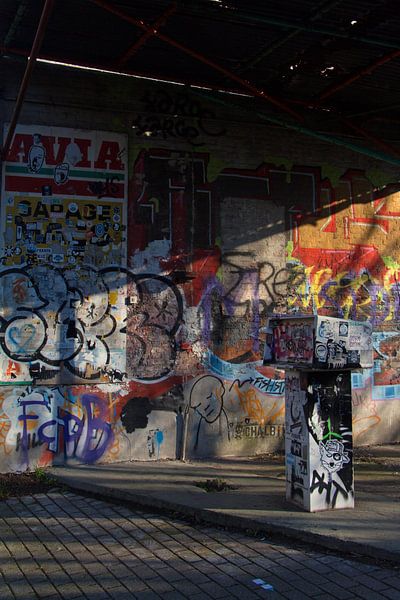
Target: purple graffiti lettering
x,y
50,440
73,428
213,292
25,417
98,432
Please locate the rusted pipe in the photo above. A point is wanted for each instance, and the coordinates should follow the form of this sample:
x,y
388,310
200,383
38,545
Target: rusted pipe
x,y
37,42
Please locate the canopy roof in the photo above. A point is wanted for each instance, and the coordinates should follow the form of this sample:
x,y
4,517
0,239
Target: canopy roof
x,y
329,67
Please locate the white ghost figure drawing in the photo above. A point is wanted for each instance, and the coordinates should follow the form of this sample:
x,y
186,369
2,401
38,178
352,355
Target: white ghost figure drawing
x,y
333,455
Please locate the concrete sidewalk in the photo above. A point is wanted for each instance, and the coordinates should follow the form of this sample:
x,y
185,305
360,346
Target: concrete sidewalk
x,y
257,502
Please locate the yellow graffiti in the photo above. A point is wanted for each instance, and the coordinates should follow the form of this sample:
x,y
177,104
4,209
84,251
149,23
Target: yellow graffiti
x,y
361,230
360,294
303,275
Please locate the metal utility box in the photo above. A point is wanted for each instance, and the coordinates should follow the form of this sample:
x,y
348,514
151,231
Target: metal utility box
x,y
318,354
318,439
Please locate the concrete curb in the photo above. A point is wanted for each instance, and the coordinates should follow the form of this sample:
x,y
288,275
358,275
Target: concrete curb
x,y
246,524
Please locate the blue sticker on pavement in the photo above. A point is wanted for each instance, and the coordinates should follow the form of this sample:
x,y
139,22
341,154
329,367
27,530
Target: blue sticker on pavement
x,y
263,584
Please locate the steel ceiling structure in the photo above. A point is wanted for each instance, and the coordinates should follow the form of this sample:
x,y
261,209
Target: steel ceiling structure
x,y
329,69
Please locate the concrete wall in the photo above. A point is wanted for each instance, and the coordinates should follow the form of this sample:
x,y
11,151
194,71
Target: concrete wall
x,y
147,234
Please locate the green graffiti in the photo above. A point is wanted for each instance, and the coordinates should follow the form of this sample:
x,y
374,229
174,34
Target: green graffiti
x,y
330,433
289,250
390,263
214,167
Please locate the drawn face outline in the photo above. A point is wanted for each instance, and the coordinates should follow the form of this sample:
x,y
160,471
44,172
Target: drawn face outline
x,y
213,409
210,405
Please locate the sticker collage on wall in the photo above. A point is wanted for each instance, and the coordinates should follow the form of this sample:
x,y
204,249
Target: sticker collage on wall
x,y
64,239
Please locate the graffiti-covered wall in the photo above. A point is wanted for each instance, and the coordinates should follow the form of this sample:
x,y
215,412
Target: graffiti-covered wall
x,y
65,233
143,248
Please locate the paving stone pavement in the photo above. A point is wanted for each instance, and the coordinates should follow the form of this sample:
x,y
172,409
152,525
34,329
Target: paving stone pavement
x,y
64,545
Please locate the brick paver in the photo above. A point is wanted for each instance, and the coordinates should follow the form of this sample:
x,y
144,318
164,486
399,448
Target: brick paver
x,y
64,546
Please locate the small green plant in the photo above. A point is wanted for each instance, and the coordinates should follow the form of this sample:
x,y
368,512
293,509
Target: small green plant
x,y
42,476
3,491
214,485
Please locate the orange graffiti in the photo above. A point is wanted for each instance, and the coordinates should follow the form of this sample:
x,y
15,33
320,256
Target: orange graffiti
x,y
112,405
251,404
362,424
373,421
13,369
279,412
114,450
46,459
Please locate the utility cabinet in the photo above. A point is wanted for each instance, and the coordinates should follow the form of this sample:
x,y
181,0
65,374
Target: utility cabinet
x,y
318,354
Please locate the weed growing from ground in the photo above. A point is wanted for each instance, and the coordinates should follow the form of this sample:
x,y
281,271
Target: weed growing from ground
x,y
214,485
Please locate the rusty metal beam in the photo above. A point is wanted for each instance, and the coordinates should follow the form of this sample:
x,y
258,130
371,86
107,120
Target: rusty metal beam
x,y
329,91
255,91
37,42
140,42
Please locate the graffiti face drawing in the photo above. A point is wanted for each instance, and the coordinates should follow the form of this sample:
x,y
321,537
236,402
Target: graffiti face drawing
x,y
206,399
333,455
